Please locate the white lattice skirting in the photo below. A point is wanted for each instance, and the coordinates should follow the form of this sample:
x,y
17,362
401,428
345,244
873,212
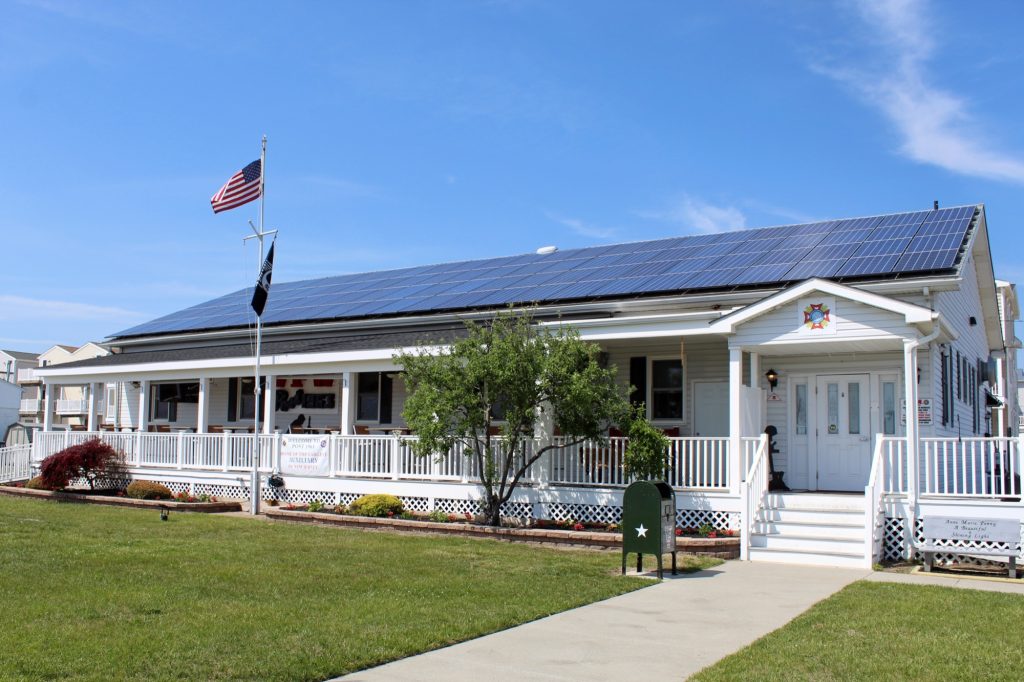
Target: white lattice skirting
x,y
895,544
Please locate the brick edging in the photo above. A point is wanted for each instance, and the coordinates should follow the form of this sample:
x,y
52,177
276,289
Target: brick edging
x,y
725,548
199,507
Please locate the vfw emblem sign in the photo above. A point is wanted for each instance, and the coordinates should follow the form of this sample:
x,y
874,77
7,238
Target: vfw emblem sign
x,y
817,315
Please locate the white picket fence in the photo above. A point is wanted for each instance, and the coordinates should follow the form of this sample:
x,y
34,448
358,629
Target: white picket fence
x,y
694,463
15,463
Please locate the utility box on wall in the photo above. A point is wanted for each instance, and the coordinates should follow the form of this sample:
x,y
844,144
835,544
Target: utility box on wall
x,y
649,523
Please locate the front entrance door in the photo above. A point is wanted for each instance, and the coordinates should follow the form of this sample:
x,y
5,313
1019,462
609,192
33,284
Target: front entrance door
x,y
843,441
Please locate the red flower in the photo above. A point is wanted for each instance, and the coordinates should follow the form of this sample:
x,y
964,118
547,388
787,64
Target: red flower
x,y
453,517
390,514
713,534
578,526
679,531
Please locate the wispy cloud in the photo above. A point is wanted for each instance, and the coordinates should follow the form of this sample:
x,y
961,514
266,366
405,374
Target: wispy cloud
x,y
936,126
696,215
24,308
583,228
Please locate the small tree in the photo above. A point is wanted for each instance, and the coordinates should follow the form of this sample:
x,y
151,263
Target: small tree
x,y
513,369
647,452
92,460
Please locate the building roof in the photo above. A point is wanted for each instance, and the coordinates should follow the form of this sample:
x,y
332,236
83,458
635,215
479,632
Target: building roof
x,y
880,247
350,342
20,355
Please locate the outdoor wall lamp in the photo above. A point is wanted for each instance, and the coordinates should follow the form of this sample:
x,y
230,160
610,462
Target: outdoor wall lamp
x,y
773,378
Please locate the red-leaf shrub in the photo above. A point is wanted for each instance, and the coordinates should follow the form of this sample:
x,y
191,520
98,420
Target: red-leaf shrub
x,y
92,460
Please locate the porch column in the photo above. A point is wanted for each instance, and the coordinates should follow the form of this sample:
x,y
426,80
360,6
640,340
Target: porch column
x,y
735,400
347,389
90,419
203,407
269,403
755,370
48,390
143,405
913,432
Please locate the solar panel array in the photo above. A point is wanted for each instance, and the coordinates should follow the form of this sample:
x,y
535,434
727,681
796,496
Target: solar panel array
x,y
878,246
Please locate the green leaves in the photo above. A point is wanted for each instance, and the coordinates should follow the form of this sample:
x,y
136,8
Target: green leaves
x,y
513,368
647,452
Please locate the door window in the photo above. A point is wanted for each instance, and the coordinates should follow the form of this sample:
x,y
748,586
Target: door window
x,y
801,409
853,406
889,408
833,408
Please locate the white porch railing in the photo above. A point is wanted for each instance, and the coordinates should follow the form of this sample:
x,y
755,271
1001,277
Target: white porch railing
x,y
77,406
753,489
750,445
695,463
874,528
891,455
15,463
30,406
26,375
971,467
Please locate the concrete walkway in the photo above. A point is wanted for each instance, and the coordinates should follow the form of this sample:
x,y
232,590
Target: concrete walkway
x,y
667,631
949,580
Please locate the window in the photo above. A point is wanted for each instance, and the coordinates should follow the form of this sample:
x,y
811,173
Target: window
x,y
111,402
667,389
164,402
833,408
368,400
373,397
801,409
944,385
889,407
853,407
244,395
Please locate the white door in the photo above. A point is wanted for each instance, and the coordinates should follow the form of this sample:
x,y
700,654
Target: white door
x,y
843,439
711,408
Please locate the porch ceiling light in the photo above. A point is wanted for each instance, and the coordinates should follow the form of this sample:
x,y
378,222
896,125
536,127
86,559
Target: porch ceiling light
x,y
773,378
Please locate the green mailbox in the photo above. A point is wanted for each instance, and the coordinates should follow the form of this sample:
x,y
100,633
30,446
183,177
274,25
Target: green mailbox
x,y
649,523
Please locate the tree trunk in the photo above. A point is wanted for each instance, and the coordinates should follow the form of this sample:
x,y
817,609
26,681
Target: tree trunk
x,y
492,510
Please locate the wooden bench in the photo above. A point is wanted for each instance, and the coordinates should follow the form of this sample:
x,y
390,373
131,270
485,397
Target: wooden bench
x,y
941,528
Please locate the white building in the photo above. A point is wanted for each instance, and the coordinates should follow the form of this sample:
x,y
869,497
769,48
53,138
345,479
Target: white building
x,y
829,332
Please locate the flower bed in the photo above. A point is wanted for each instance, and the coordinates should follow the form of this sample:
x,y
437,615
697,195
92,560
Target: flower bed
x,y
119,499
721,547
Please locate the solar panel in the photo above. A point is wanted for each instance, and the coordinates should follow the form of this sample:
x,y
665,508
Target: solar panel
x,y
872,246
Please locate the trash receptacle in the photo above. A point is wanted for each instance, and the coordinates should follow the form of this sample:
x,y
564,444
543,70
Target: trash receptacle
x,y
649,523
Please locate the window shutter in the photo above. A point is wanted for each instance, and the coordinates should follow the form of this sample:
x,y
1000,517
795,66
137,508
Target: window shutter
x,y
945,390
385,398
232,400
638,379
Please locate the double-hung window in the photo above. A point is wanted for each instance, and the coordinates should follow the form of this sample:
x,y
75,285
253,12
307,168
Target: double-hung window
x,y
667,390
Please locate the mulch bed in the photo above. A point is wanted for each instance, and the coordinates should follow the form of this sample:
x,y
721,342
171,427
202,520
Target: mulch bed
x,y
723,548
87,498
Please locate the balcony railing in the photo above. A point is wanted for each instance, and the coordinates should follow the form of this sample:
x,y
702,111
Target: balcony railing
x,y
694,463
30,406
27,375
72,406
984,468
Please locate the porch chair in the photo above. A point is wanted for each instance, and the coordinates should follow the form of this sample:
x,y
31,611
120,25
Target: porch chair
x,y
361,429
215,428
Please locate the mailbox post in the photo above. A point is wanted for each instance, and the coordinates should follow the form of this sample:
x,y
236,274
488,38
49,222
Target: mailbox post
x,y
649,523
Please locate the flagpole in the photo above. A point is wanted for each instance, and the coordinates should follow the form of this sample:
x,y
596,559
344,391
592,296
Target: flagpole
x,y
254,505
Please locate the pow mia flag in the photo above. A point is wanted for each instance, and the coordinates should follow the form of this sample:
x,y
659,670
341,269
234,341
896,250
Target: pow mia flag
x,y
259,295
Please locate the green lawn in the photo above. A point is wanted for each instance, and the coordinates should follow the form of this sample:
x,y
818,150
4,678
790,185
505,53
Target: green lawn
x,y
878,631
108,593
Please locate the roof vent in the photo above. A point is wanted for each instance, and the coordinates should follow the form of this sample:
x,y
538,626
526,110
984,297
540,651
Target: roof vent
x,y
546,250
935,205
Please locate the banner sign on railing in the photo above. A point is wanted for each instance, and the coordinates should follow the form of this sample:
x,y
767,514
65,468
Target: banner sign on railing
x,y
305,455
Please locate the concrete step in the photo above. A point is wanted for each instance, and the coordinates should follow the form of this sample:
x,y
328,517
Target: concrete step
x,y
808,558
815,501
847,531
808,543
821,515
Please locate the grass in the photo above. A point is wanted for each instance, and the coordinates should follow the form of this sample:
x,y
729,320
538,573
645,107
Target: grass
x,y
107,593
879,631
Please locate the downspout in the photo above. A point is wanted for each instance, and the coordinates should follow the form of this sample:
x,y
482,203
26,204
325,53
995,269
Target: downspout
x,y
910,348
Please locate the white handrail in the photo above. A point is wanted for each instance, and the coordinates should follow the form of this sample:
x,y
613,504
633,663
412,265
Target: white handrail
x,y
873,500
15,463
753,488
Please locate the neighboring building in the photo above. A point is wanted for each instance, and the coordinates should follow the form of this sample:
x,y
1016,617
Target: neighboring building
x,y
830,332
10,399
71,401
17,367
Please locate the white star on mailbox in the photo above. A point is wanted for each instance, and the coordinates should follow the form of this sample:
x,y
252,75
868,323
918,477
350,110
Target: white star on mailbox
x,y
641,532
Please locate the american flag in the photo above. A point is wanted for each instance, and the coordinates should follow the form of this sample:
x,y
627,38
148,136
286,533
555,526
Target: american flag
x,y
243,187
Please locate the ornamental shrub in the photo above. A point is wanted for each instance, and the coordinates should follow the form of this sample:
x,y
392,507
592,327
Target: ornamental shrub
x,y
92,460
148,490
36,484
375,505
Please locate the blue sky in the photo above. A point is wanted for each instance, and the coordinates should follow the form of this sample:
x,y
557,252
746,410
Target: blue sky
x,y
405,133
